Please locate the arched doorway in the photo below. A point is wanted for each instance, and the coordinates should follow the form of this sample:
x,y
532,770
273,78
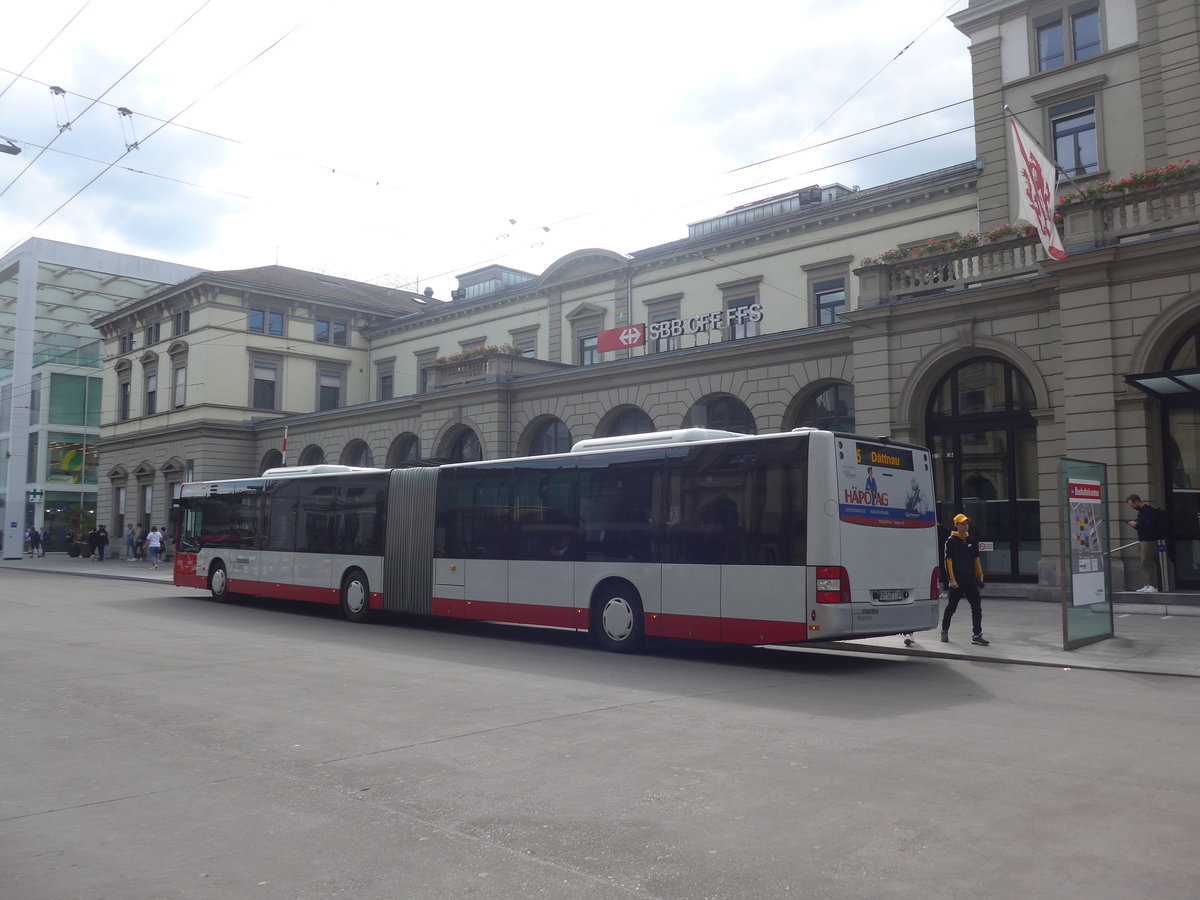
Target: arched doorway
x,y
984,441
724,413
464,446
357,453
831,409
549,436
1177,388
404,449
271,459
630,420
312,455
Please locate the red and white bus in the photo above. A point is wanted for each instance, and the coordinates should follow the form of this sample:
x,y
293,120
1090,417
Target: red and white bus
x,y
701,534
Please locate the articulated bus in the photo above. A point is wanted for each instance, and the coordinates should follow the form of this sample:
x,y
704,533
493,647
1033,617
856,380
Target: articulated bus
x,y
691,534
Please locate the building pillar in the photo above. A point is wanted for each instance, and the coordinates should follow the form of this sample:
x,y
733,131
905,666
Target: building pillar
x,y
22,384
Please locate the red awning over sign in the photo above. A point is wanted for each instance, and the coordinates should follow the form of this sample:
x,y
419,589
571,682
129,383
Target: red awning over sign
x,y
621,338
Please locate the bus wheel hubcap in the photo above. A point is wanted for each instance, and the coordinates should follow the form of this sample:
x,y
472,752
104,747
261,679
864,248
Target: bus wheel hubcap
x,y
355,596
618,619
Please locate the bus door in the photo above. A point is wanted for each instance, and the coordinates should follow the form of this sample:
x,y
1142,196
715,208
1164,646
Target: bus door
x,y
476,559
230,524
281,515
471,541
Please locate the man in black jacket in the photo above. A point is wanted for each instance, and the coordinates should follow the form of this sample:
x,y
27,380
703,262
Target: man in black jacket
x,y
1146,525
965,576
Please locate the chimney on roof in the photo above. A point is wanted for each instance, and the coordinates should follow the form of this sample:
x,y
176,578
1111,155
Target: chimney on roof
x,y
429,292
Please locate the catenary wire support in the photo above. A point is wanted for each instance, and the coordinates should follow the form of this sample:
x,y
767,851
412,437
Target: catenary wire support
x,y
131,141
62,119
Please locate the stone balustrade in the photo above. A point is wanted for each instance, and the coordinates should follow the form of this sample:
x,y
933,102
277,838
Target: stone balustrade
x,y
482,369
1116,218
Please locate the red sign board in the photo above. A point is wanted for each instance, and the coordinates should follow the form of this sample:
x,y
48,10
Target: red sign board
x,y
621,338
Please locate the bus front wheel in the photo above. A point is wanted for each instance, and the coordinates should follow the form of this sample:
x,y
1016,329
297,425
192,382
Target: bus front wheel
x,y
218,583
356,596
620,623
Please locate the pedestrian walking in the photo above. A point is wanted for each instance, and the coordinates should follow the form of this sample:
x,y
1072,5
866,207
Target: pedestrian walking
x,y
140,543
130,539
154,546
965,577
45,539
101,542
35,542
1148,530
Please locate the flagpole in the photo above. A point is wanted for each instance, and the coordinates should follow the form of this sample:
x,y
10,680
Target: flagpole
x,y
1061,171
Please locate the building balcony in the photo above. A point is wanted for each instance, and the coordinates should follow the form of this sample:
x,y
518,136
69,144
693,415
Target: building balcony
x,y
485,368
1109,219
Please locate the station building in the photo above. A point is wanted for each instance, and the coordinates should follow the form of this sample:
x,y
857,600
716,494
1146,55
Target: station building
x,y
912,309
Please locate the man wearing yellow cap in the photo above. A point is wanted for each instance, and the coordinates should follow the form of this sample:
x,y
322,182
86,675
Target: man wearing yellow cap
x,y
965,575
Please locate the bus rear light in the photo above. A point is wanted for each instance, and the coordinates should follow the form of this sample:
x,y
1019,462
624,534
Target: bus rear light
x,y
833,585
935,584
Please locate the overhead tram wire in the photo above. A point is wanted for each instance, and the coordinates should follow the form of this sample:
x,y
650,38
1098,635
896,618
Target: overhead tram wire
x,y
584,214
129,150
491,258
324,167
18,75
110,88
380,182
844,103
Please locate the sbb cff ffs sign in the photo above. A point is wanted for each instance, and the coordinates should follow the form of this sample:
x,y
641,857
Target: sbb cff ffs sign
x,y
721,318
637,335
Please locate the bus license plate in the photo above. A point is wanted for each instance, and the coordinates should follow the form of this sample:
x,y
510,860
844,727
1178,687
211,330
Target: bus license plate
x,y
889,595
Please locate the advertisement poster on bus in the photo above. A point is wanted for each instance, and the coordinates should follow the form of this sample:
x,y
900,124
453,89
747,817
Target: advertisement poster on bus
x,y
879,485
1087,559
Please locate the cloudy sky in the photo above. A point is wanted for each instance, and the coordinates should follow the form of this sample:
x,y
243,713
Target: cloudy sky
x,y
404,142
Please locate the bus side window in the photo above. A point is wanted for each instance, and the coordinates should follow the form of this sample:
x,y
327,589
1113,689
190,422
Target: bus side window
x,y
544,518
281,516
618,506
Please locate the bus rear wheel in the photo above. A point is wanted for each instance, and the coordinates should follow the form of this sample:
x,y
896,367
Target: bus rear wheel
x,y
218,583
356,596
618,620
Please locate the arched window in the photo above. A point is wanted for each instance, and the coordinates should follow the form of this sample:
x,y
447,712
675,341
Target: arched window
x,y
984,442
551,436
726,414
831,409
465,447
271,459
629,421
404,449
312,455
357,453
